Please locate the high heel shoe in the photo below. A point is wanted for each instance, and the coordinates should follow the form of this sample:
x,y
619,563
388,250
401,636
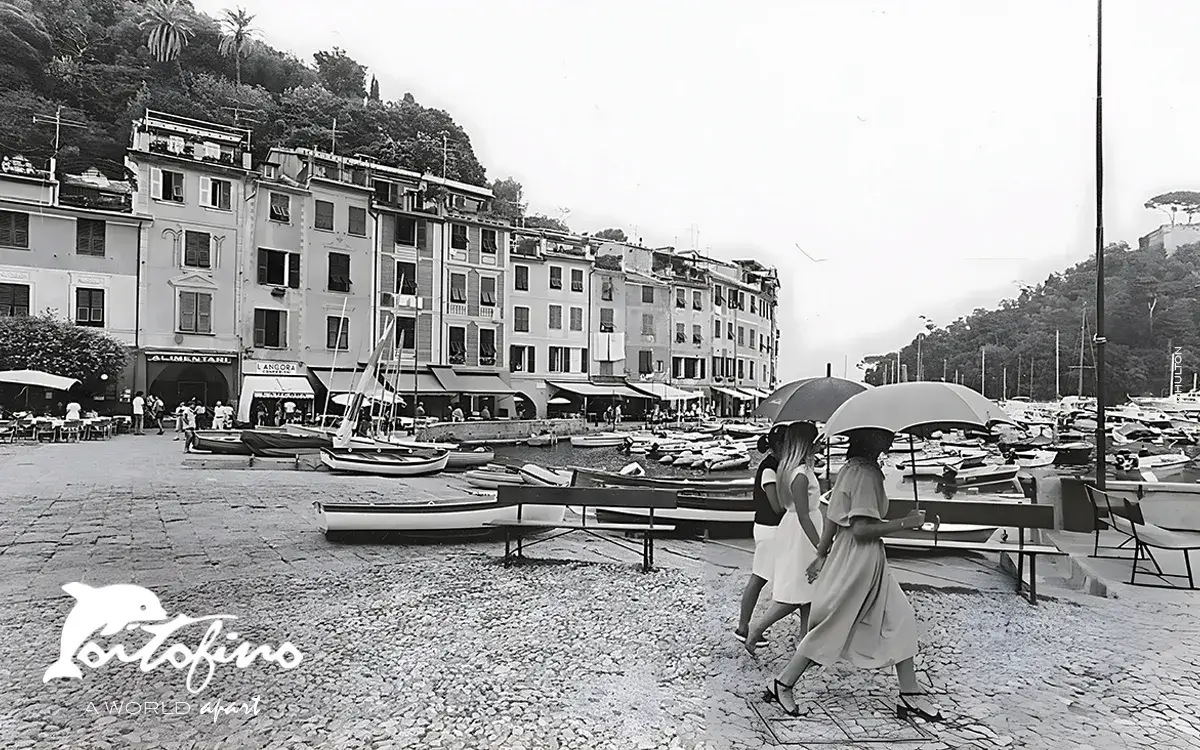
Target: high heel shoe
x,y
772,696
904,708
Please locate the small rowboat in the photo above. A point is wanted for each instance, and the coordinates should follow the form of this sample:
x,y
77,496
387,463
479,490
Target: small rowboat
x,y
493,476
225,442
543,477
465,516
599,440
995,474
389,462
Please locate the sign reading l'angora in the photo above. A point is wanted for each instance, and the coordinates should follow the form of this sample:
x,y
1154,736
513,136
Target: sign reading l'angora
x,y
112,609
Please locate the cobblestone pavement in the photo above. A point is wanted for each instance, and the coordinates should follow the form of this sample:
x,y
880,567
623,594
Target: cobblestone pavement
x,y
438,646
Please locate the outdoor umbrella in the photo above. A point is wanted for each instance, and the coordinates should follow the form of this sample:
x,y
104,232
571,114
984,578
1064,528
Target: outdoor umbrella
x,y
37,378
908,407
810,400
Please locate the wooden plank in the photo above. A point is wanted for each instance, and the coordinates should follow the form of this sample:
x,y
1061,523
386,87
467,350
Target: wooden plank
x,y
1036,549
634,497
1022,515
580,526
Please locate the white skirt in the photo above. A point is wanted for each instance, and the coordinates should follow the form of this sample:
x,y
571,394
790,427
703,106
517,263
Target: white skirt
x,y
764,551
793,554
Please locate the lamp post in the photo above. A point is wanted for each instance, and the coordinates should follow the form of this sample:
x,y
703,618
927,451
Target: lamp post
x,y
1099,338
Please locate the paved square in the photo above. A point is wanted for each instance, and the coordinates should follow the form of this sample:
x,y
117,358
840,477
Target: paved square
x,y
439,646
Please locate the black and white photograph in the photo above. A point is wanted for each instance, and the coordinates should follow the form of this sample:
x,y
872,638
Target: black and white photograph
x,y
576,375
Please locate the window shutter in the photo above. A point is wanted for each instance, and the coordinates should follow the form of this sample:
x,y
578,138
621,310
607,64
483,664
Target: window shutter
x,y
21,230
531,364
260,327
203,313
206,191
214,252
283,339
187,311
204,250
262,267
156,182
294,270
388,276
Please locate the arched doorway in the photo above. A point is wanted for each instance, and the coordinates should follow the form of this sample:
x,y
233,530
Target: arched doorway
x,y
182,381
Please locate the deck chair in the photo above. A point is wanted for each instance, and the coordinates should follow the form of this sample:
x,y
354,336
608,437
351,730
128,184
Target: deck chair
x,y
1147,537
1102,512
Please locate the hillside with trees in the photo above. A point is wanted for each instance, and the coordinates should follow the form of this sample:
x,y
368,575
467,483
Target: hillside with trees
x,y
104,62
1151,305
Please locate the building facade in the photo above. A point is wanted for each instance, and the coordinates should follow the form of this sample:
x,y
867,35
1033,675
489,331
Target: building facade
x,y
70,248
192,178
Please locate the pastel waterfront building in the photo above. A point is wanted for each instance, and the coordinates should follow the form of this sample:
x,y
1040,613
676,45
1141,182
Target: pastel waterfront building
x,y
608,305
192,178
442,260
306,282
550,309
69,245
745,337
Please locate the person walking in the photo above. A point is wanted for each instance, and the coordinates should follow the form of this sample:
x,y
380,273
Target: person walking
x,y
767,515
797,537
859,612
188,421
139,413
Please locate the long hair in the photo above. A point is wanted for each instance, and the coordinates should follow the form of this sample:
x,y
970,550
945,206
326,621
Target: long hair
x,y
795,449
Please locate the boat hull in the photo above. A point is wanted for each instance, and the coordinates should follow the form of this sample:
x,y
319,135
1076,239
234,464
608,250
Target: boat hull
x,y
598,440
223,442
450,517
392,462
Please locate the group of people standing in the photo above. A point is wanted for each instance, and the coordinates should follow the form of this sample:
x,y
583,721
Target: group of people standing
x,y
189,416
829,564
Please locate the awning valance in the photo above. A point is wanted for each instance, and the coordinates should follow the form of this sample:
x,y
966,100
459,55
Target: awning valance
x,y
271,386
592,389
470,383
733,393
664,392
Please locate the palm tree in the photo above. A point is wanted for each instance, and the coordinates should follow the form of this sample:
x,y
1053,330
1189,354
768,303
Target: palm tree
x,y
239,37
170,23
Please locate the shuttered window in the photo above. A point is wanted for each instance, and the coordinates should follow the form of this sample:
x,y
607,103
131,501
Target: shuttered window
x,y
14,300
89,237
89,307
339,272
14,229
197,249
323,215
195,312
357,221
337,333
270,329
556,317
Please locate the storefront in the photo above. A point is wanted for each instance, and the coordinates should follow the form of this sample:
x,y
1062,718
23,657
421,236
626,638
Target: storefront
x,y
278,390
177,377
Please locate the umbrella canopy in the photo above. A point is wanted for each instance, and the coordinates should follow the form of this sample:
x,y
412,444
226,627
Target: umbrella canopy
x,y
38,378
809,400
559,401
903,407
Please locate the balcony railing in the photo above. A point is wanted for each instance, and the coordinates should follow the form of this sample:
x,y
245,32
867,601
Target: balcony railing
x,y
489,312
457,308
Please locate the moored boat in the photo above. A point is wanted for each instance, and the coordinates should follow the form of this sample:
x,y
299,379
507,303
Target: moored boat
x,y
995,474
543,477
392,462
599,440
464,516
492,476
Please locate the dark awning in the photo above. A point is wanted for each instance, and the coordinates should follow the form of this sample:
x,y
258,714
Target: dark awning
x,y
475,383
592,389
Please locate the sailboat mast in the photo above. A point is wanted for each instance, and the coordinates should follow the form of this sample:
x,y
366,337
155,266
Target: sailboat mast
x,y
1082,336
1100,341
1057,368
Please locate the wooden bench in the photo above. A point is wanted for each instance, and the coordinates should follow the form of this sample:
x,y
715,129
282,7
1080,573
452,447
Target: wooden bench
x,y
583,498
1019,515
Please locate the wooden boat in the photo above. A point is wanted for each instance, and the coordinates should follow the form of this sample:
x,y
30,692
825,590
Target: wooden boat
x,y
225,442
1154,468
542,441
543,477
391,462
745,429
283,444
492,476
693,507
458,516
599,477
947,532
994,474
728,463
599,440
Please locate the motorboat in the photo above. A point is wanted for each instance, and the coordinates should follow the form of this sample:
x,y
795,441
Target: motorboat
x,y
1154,468
457,516
994,474
391,462
1071,454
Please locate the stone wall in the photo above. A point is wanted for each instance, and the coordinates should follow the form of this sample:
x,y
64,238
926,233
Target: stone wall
x,y
499,431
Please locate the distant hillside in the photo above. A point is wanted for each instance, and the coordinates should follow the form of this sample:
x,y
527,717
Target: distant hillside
x,y
105,61
1150,305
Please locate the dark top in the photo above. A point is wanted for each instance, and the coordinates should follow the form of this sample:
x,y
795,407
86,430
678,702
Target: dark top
x,y
764,514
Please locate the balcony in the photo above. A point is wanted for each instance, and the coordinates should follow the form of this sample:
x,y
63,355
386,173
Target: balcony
x,y
457,308
489,312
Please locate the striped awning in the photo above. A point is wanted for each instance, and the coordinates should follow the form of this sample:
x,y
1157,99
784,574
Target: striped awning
x,y
733,393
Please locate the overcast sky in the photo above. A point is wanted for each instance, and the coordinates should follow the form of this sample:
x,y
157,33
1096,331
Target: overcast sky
x,y
934,152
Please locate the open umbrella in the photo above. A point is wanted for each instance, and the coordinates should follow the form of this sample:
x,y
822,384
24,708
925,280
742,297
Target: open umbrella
x,y
38,378
908,407
809,400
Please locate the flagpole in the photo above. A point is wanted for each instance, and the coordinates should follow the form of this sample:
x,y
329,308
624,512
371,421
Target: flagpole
x,y
1099,338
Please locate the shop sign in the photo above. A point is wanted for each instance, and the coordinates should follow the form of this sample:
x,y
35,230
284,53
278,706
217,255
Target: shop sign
x,y
271,368
202,359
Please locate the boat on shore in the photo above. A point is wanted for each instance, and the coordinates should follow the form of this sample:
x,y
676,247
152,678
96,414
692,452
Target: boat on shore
x,y
539,476
221,442
283,444
435,518
492,476
390,462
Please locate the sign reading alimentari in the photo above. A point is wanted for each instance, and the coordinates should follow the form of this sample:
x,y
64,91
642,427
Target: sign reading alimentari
x,y
189,357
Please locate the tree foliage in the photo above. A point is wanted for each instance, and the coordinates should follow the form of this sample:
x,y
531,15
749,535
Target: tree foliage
x,y
1186,201
541,221
1152,303
506,201
614,234
107,61
43,342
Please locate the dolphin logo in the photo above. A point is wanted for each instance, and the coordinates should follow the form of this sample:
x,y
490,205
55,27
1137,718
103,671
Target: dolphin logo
x,y
107,609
